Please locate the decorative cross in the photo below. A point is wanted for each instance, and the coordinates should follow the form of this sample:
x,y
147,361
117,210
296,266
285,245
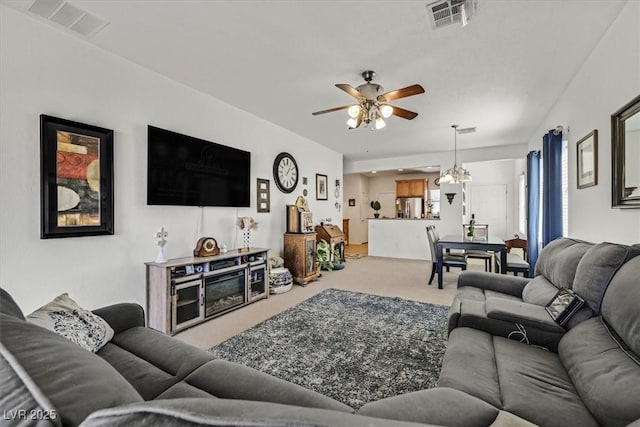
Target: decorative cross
x,y
161,235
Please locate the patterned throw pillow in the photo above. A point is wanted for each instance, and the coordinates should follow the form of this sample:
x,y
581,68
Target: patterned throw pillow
x,y
63,316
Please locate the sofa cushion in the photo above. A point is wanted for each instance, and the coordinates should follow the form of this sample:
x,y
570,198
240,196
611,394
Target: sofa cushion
x,y
230,380
525,380
469,365
65,317
151,361
20,399
192,412
607,380
621,302
76,381
539,291
559,260
441,406
596,269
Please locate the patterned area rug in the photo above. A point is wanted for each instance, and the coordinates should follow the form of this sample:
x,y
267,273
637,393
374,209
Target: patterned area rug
x,y
353,347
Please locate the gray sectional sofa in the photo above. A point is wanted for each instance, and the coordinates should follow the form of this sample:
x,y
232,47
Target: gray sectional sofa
x,y
593,379
142,377
514,307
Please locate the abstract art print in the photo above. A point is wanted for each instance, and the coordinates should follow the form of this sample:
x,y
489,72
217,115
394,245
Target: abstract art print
x,y
76,179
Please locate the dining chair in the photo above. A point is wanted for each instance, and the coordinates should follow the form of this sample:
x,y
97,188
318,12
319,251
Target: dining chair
x,y
480,231
515,263
448,259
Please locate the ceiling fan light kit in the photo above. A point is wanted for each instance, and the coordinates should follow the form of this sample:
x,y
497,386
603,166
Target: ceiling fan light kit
x,y
456,174
372,104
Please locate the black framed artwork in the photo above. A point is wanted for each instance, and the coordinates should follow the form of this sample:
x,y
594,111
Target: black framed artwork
x,y
76,167
321,187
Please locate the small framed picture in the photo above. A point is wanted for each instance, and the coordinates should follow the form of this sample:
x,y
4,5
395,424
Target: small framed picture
x,y
352,202
587,159
321,187
76,179
263,195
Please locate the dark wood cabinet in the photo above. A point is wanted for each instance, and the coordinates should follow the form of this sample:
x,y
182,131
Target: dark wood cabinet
x,y
334,236
345,229
300,256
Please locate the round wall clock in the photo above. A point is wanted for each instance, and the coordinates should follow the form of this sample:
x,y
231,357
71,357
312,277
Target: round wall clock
x,y
285,172
437,181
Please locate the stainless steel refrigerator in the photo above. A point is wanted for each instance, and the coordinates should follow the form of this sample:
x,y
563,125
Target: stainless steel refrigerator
x,y
410,207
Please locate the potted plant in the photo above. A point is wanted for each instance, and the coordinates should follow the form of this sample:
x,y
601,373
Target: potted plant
x,y
375,205
328,256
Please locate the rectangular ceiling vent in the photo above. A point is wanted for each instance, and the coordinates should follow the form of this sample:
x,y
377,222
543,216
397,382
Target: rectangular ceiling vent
x,y
69,16
446,12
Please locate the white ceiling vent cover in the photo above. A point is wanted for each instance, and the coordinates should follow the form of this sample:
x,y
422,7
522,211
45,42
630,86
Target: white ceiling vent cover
x,y
69,16
445,12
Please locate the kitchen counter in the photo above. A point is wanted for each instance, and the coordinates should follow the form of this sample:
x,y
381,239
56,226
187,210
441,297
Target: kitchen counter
x,y
406,237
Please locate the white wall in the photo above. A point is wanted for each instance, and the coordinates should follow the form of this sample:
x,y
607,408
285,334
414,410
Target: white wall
x,y
609,78
43,70
503,172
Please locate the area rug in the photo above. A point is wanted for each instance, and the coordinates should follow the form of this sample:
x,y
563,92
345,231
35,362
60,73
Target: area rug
x,y
353,347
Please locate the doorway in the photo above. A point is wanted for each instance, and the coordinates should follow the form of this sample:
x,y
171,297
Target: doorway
x,y
489,204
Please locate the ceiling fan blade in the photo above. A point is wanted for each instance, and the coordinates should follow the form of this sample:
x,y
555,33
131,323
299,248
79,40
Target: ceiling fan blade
x,y
401,93
331,110
405,114
350,90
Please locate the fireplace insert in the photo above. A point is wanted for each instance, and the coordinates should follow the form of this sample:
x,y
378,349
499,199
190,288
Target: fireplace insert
x,y
225,289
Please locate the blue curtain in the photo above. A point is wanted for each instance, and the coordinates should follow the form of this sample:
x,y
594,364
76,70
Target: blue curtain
x,y
533,208
551,187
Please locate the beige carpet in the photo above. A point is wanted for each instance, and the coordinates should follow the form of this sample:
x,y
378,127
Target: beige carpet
x,y
391,277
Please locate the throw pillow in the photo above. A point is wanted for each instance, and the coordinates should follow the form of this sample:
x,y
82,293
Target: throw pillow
x,y
65,317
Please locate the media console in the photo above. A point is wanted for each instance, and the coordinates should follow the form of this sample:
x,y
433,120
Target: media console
x,y
184,292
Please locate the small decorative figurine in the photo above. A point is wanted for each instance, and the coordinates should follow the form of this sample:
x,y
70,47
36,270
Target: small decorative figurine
x,y
161,241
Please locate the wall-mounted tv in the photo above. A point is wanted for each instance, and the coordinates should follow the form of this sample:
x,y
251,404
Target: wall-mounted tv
x,y
187,171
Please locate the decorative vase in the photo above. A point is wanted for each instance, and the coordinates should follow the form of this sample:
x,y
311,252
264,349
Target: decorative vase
x,y
246,237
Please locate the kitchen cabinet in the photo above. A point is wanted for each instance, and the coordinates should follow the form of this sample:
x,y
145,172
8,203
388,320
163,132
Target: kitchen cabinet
x,y
411,188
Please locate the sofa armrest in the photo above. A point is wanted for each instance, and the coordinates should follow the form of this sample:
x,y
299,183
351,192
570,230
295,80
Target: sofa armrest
x,y
122,316
512,285
530,315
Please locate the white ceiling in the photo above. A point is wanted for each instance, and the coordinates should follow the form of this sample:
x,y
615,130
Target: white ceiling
x,y
279,60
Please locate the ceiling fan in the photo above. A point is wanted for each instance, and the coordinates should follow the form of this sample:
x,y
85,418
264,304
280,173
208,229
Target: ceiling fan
x,y
372,104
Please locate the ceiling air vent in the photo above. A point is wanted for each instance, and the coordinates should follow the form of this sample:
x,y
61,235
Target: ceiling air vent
x,y
445,12
69,16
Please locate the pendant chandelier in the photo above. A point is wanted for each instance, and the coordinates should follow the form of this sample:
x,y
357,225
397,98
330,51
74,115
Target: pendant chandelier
x,y
456,174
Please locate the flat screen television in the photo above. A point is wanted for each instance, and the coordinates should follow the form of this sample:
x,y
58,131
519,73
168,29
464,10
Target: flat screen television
x,y
187,171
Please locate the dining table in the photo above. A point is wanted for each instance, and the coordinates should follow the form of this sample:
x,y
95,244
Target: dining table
x,y
458,241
